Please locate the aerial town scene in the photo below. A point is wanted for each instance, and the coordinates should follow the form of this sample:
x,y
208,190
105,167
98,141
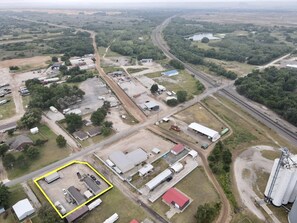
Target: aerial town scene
x,y
139,111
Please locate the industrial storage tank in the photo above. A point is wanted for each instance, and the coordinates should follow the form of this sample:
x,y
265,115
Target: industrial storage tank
x,y
292,217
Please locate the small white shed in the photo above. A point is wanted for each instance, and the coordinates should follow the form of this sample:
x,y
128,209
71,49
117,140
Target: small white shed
x,y
23,209
34,130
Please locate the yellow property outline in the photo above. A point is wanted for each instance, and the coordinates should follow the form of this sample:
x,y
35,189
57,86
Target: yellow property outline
x,y
62,167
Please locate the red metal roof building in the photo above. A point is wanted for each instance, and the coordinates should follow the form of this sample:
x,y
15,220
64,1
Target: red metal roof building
x,y
177,149
176,198
134,221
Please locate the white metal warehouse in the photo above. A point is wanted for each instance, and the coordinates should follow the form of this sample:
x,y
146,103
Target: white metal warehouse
x,y
23,209
159,179
214,135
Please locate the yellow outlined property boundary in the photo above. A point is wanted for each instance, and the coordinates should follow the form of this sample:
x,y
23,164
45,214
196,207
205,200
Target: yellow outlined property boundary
x,y
62,167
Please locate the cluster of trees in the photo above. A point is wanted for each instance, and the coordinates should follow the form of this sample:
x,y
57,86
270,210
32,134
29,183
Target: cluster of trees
x,y
177,64
274,88
181,96
219,70
61,141
14,68
43,97
4,195
99,116
49,215
207,212
257,48
74,122
220,159
75,45
31,118
24,159
75,74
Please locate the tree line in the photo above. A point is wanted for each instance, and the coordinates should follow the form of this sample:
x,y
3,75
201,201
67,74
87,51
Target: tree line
x,y
274,88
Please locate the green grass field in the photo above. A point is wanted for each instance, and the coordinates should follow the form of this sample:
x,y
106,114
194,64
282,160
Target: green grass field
x,y
196,186
49,153
135,70
7,110
181,82
115,202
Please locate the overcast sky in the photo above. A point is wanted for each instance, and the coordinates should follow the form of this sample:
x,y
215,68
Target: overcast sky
x,y
105,3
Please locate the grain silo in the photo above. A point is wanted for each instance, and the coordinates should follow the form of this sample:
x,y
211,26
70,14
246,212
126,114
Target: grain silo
x,y
281,187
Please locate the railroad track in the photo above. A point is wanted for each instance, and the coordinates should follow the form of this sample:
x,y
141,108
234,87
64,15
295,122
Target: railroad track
x,y
157,39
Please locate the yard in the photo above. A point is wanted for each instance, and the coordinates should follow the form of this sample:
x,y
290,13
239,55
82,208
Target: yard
x,y
198,113
181,82
198,188
7,110
49,153
115,202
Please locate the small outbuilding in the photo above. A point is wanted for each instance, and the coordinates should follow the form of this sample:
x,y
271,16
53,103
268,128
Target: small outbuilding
x,y
77,214
176,198
76,195
152,106
193,153
170,73
177,167
23,209
52,177
156,150
145,169
81,135
177,149
163,176
34,130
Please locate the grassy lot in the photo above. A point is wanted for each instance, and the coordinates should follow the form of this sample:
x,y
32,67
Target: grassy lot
x,y
49,153
247,132
7,110
239,68
198,188
159,166
197,113
112,69
101,50
17,193
95,139
9,219
135,70
115,202
37,192
26,100
181,82
271,155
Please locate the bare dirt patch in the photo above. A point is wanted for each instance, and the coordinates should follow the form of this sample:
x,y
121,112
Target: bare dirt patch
x,y
37,61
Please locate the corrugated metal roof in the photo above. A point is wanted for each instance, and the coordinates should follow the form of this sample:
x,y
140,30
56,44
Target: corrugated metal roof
x,y
92,185
50,178
204,130
178,148
23,208
76,195
144,170
158,179
170,73
78,213
173,195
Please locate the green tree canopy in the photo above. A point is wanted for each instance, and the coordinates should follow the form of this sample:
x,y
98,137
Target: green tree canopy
x,y
61,141
4,195
181,96
154,88
31,118
74,122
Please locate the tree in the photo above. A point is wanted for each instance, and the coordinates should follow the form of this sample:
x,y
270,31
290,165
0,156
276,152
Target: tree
x,y
48,215
176,64
207,212
32,152
98,117
61,141
4,195
31,118
181,96
172,102
8,160
55,59
22,162
3,149
106,131
74,122
154,88
107,124
205,40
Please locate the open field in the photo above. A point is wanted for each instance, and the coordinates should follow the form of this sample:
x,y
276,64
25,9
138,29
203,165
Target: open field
x,y
198,113
181,82
7,110
197,187
32,62
16,193
49,153
115,202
